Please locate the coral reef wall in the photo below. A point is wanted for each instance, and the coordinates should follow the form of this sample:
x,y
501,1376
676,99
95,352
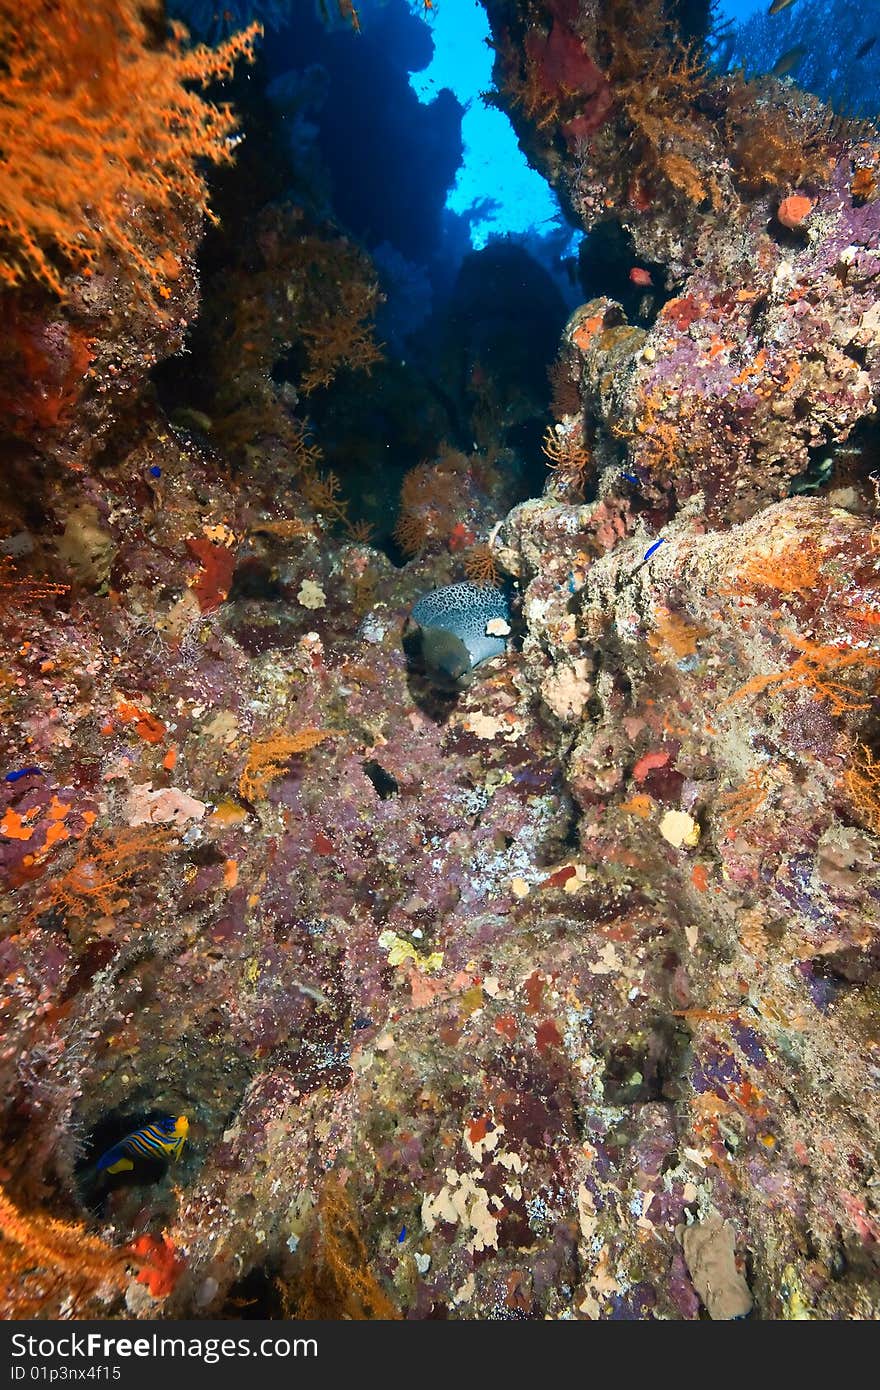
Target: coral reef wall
x,y
704,630
556,998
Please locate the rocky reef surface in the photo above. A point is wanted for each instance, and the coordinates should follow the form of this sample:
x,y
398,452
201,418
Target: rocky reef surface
x,y
554,998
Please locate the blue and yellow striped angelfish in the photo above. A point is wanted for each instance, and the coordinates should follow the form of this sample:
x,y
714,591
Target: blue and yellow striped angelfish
x,y
161,1140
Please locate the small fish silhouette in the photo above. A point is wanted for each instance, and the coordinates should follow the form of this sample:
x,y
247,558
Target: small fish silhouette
x,y
789,60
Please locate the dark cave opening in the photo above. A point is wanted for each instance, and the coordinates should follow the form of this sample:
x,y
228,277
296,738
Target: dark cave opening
x,y
467,334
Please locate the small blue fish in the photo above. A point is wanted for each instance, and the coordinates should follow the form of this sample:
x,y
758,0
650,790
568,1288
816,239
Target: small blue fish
x,y
163,1139
631,478
24,772
655,546
402,1237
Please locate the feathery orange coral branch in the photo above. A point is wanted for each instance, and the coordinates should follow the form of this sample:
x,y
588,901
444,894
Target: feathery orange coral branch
x,y
20,590
100,136
102,873
339,1282
567,455
862,782
42,1259
269,757
742,803
814,670
792,570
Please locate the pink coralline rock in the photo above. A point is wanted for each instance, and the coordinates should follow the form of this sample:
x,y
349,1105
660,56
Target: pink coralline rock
x,y
165,806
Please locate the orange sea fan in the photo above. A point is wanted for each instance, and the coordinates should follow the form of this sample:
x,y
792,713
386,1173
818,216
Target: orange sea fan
x,y
17,590
740,805
792,569
343,338
338,1281
411,533
568,456
269,757
43,1261
816,670
481,567
431,500
104,870
100,136
862,783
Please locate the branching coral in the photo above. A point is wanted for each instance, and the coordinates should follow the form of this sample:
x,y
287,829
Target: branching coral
x,y
340,1283
774,145
342,338
322,492
862,783
43,1260
309,300
21,589
269,757
313,289
792,569
655,85
816,670
430,501
659,438
568,456
742,804
481,567
45,1263
101,137
105,866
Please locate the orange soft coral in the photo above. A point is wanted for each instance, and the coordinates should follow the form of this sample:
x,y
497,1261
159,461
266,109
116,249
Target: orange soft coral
x,y
100,136
45,1262
862,783
268,759
431,501
816,670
